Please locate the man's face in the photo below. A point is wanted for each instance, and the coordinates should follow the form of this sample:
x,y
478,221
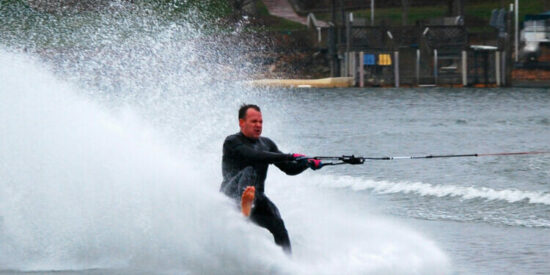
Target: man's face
x,y
251,125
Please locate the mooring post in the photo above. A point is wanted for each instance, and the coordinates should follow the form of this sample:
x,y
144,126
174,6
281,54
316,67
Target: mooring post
x,y
435,66
504,79
464,68
353,66
497,67
417,67
345,65
396,68
361,70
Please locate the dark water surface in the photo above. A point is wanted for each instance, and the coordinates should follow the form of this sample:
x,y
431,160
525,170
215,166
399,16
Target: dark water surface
x,y
490,214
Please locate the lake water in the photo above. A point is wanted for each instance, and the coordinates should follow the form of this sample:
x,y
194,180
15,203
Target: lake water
x,y
110,156
489,214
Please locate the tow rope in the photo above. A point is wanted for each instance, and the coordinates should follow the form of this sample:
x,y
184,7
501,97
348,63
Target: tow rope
x,y
353,160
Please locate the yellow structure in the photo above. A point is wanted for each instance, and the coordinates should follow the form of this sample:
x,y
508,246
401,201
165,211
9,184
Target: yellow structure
x,y
384,59
331,82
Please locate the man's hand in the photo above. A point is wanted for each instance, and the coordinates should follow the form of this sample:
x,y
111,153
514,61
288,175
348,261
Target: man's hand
x,y
247,199
298,156
314,164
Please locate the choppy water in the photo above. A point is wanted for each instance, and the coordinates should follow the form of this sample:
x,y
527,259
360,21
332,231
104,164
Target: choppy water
x,y
110,156
489,214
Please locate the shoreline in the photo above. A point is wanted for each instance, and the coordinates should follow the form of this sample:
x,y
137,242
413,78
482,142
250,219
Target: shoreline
x,y
347,82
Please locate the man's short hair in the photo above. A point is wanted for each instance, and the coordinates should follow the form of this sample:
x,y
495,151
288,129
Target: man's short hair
x,y
245,107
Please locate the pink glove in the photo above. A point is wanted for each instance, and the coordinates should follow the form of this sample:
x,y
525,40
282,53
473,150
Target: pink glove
x,y
298,156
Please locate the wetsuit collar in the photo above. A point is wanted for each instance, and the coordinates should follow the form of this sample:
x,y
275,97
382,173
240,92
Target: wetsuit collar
x,y
249,139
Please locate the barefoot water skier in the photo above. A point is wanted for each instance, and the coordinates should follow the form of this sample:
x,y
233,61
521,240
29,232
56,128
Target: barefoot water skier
x,y
246,157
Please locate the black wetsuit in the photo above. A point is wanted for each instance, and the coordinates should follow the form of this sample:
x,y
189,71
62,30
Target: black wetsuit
x,y
244,163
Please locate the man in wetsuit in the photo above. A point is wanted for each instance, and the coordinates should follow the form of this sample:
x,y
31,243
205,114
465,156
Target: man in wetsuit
x,y
246,157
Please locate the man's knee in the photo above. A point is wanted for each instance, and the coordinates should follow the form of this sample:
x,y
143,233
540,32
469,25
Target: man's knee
x,y
247,177
248,173
235,187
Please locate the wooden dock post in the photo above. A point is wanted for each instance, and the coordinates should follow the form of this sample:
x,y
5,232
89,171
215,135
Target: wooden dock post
x,y
353,66
497,67
417,68
503,80
464,68
361,69
396,68
345,64
435,66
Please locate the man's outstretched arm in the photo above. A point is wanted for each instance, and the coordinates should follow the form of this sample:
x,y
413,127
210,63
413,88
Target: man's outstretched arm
x,y
292,167
299,164
235,147
261,156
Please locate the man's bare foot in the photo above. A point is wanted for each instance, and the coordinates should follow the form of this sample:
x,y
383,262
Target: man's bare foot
x,y
247,199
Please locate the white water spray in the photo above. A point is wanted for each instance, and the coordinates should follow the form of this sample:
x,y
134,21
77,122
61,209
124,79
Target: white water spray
x,y
83,188
118,169
87,188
